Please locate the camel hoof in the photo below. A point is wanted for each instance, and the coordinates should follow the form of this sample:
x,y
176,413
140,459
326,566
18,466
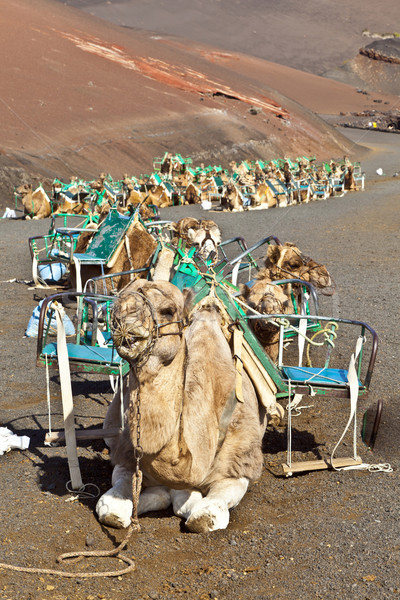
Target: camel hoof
x,y
208,517
114,511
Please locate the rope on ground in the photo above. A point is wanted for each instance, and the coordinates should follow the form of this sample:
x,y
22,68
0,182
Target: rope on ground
x,y
76,556
83,492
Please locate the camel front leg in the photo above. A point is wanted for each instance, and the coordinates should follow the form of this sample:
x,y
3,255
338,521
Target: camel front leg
x,y
209,513
115,507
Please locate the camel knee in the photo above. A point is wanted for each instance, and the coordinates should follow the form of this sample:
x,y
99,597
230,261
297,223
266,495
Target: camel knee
x,y
114,508
229,491
154,498
183,501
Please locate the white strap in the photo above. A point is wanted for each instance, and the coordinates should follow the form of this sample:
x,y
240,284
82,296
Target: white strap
x,y
235,272
301,339
352,377
35,271
100,338
67,401
78,274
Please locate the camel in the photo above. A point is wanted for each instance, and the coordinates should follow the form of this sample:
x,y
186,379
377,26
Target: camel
x,y
268,299
72,198
232,198
204,234
301,182
192,194
263,197
135,253
167,166
287,262
277,183
36,203
201,448
159,196
282,262
349,181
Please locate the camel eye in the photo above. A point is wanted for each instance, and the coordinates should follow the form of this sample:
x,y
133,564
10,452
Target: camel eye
x,y
168,311
295,263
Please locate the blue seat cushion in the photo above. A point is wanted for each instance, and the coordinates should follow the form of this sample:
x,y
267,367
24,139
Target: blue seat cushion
x,y
84,353
317,377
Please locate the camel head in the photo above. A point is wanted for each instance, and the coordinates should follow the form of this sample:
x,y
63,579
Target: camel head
x,y
23,190
149,317
206,238
268,299
204,234
288,262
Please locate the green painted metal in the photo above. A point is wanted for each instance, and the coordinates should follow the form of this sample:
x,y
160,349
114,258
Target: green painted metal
x,y
107,238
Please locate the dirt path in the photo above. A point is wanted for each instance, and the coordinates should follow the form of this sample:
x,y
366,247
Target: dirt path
x,y
321,535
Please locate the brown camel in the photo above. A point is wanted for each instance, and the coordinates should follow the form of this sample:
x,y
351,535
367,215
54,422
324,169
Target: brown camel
x,y
192,194
349,181
287,262
232,198
268,299
36,203
201,447
135,253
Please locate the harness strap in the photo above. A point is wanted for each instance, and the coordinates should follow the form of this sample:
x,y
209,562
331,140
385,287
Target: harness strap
x,y
237,357
352,377
67,402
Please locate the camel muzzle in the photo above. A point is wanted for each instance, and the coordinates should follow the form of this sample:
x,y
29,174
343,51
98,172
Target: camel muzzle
x,y
133,326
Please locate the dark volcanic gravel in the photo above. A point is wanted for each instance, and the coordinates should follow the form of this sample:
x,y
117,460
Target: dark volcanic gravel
x,y
328,535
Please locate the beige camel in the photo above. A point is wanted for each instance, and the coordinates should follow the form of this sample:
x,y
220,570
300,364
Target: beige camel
x,y
36,203
263,197
158,195
282,262
202,233
201,447
232,198
268,299
287,262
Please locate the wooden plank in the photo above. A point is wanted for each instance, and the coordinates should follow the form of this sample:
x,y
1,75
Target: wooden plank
x,y
83,434
315,465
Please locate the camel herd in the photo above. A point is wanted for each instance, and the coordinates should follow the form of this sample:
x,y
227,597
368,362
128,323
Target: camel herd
x,y
200,438
175,181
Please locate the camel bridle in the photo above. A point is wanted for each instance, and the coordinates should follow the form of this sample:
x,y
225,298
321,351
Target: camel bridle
x,y
124,334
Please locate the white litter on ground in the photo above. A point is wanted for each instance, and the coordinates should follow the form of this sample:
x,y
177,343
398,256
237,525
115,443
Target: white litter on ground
x,y
10,441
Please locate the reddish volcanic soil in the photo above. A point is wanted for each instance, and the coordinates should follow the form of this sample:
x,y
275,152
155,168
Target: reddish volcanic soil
x,y
81,95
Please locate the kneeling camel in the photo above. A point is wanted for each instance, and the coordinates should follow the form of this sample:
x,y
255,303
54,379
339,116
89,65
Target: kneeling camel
x,y
201,447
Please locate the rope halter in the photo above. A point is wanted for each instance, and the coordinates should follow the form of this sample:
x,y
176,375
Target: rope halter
x,y
135,335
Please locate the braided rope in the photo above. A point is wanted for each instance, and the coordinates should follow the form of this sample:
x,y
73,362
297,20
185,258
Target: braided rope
x,y
77,556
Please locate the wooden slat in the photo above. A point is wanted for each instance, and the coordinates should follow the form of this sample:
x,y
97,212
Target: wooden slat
x,y
83,434
315,465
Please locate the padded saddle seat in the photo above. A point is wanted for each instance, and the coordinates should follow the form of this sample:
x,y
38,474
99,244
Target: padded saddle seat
x,y
318,377
85,353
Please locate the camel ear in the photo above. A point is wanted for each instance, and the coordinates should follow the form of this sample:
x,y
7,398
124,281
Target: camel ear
x,y
215,234
273,254
191,234
188,296
289,245
244,290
